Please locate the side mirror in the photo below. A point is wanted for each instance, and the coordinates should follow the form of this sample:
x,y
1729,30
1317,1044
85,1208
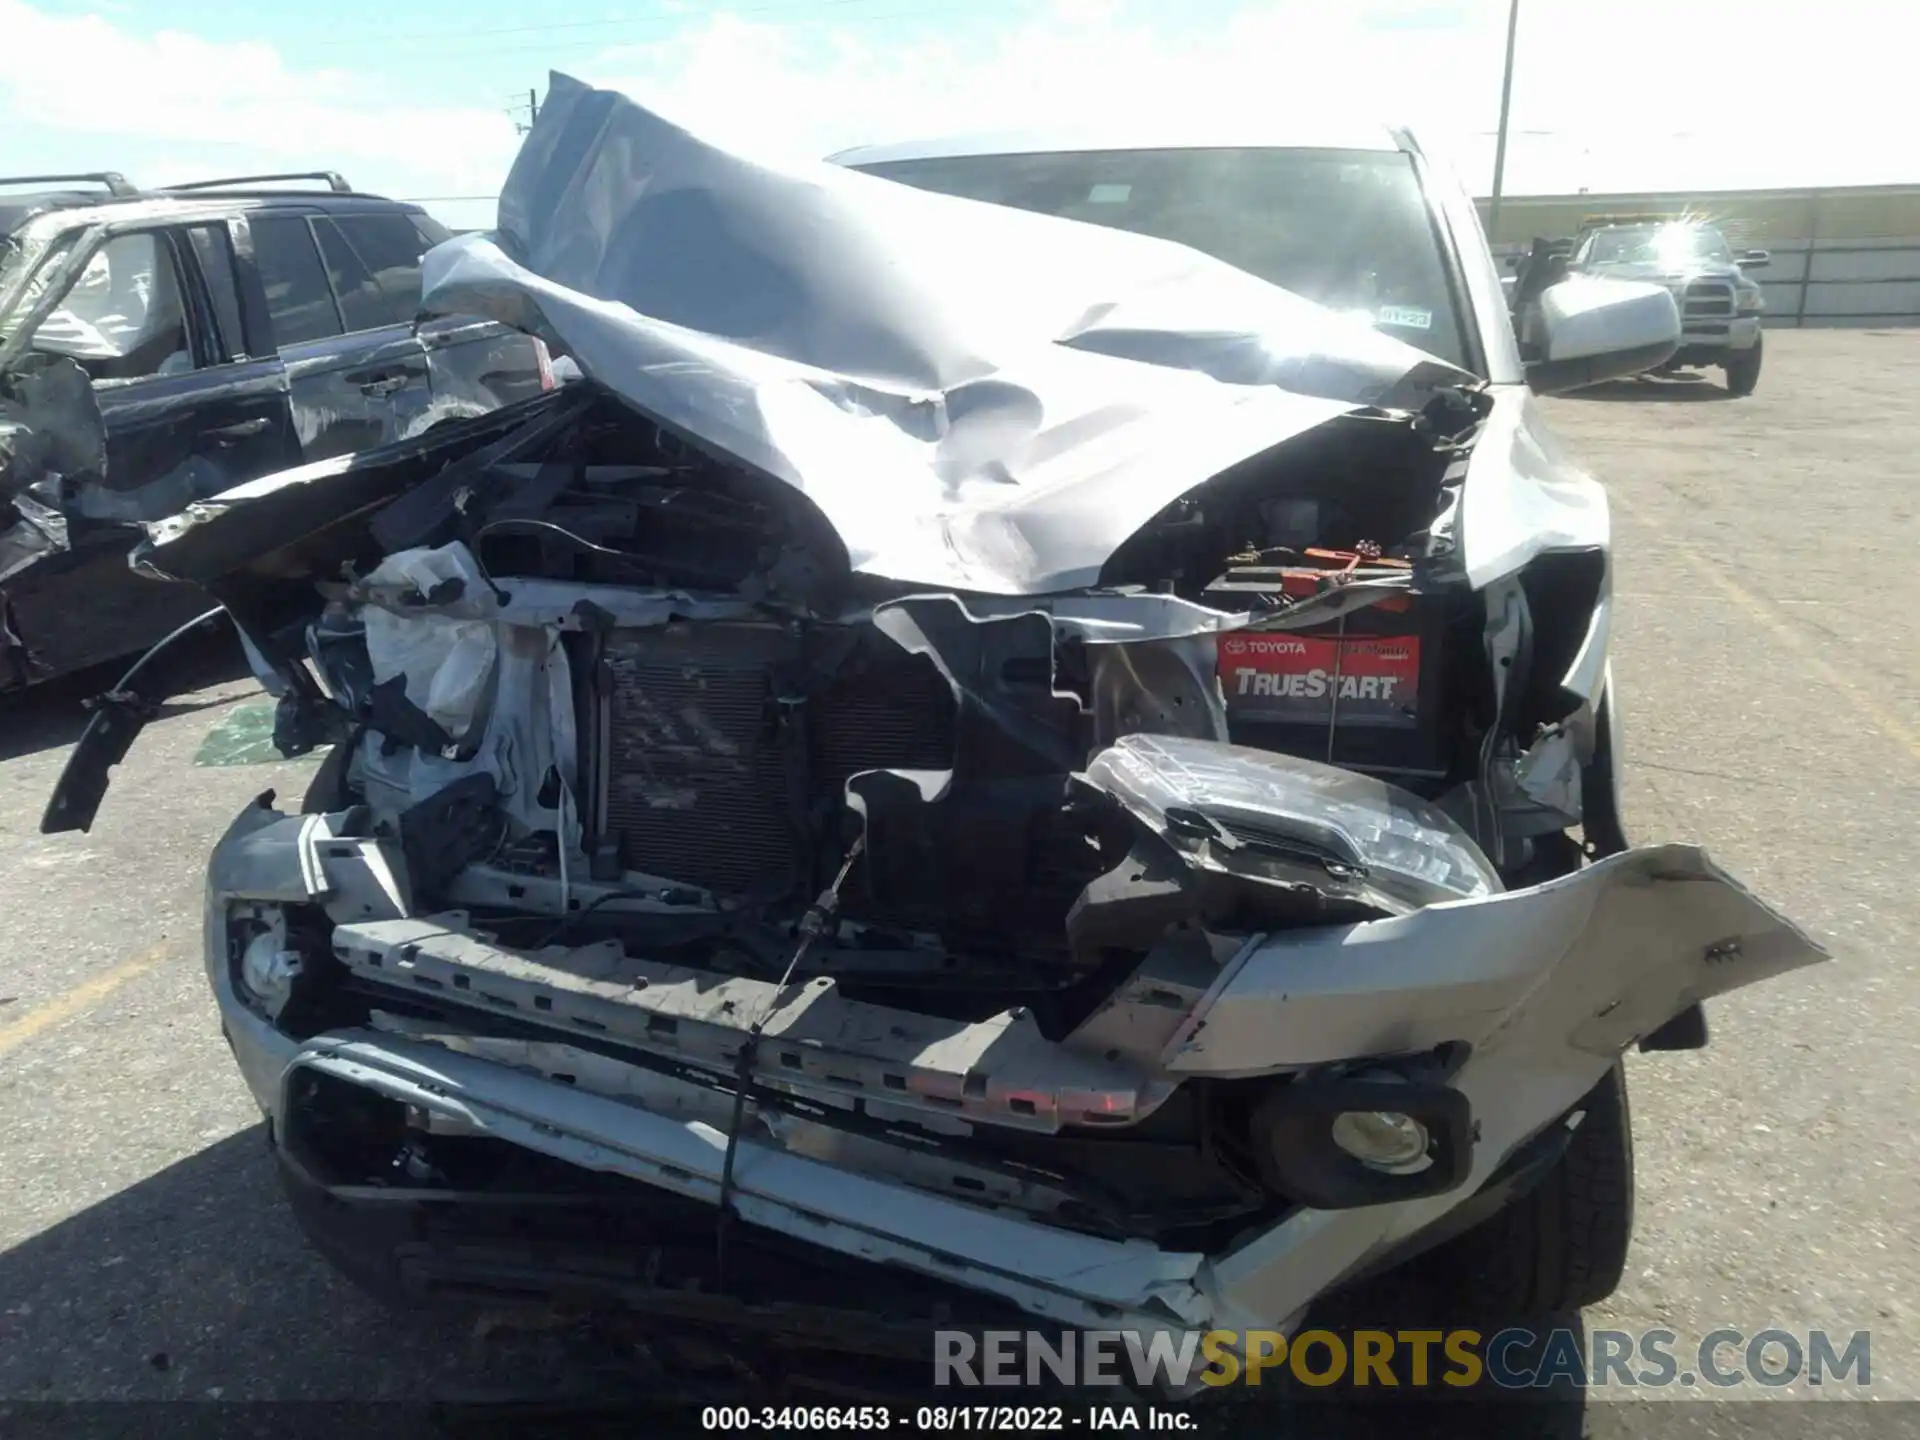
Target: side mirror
x,y
1592,329
1755,260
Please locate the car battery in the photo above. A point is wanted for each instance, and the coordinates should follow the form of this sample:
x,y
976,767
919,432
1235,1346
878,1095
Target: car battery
x,y
1361,691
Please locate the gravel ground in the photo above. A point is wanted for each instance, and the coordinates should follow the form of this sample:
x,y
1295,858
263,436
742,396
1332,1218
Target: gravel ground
x,y
1770,706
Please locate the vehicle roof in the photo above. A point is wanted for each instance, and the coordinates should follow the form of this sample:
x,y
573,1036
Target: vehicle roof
x,y
86,206
17,206
1156,133
1653,222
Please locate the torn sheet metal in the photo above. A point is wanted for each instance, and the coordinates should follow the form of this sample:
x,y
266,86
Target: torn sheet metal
x,y
1079,1279
52,441
1589,962
1551,983
999,1070
1547,985
681,1100
976,397
37,530
50,425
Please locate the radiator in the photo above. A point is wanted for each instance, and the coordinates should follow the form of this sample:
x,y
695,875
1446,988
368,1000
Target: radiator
x,y
705,776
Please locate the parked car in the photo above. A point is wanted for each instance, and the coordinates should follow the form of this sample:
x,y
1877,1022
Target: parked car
x,y
972,763
1720,304
157,347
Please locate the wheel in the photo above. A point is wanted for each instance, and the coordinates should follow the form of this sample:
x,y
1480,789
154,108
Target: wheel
x,y
1562,1245
1743,371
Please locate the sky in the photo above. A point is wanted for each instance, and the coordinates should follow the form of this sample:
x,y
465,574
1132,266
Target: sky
x,y
421,100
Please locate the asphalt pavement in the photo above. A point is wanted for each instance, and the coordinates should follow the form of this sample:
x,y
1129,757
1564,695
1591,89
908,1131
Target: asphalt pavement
x,y
1768,660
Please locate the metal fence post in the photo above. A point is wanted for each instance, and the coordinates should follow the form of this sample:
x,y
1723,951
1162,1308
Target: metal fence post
x,y
1806,272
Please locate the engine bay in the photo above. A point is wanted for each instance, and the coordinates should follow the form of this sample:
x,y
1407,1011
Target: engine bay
x,y
721,709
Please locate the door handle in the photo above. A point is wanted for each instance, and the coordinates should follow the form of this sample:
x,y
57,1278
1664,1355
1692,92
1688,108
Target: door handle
x,y
384,386
240,430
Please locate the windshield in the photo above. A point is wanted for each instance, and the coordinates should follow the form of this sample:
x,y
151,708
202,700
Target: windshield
x,y
1660,245
1346,228
37,266
12,256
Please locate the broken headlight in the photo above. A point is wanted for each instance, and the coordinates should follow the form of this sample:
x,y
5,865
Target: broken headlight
x,y
1296,821
264,959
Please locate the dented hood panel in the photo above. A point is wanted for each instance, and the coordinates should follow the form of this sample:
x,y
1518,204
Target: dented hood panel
x,y
976,397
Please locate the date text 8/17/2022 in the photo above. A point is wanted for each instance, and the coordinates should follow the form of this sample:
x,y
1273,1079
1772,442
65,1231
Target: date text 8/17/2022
x,y
941,1419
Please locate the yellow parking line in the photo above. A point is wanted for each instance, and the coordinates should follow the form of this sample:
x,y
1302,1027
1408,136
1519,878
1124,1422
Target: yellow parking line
x,y
84,996
1875,714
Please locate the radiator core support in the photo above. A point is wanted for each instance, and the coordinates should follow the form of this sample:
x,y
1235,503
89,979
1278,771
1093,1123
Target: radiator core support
x,y
719,750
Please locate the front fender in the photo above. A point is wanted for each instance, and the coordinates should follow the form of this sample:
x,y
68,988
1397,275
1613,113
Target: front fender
x,y
1602,812
118,718
1545,986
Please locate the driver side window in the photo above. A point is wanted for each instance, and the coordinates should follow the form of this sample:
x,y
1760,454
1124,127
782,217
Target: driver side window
x,y
123,317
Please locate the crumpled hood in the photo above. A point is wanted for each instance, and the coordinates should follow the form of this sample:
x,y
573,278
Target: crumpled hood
x,y
975,397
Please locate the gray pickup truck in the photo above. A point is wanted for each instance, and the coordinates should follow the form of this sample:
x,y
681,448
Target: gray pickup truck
x,y
1720,305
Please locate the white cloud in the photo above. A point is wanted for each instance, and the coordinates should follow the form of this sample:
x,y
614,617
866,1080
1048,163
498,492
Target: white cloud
x,y
1632,93
1599,94
85,74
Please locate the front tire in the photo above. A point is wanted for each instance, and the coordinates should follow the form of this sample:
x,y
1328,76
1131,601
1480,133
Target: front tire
x,y
1743,371
1563,1245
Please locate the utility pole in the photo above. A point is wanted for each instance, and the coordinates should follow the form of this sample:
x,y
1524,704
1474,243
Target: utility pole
x,y
533,112
1500,143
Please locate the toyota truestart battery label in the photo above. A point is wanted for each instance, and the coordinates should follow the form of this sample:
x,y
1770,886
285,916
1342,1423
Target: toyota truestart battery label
x,y
1297,679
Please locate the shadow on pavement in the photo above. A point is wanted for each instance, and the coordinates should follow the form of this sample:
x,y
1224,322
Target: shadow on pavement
x,y
1655,390
54,713
196,1284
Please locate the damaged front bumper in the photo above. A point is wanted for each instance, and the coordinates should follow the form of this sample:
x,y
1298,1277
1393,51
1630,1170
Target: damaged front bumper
x,y
1527,996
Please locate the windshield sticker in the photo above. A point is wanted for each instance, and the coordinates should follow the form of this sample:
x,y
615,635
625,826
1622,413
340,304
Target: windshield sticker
x,y
1110,194
1409,317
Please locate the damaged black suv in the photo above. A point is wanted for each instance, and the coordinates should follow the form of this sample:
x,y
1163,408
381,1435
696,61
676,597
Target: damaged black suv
x,y
159,347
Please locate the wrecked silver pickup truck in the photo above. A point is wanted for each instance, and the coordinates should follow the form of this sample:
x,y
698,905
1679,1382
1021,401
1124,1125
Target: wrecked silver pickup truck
x,y
975,758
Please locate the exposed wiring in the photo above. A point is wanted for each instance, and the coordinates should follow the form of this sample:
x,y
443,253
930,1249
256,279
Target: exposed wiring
x,y
648,564
814,924
572,917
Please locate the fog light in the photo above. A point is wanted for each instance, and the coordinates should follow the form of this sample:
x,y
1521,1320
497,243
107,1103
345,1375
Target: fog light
x,y
1336,1141
1383,1140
